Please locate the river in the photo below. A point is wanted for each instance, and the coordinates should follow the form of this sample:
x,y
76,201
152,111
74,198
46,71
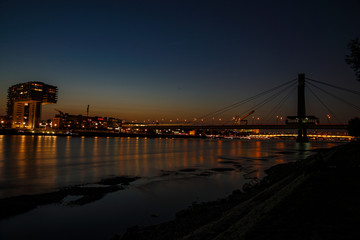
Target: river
x,y
173,173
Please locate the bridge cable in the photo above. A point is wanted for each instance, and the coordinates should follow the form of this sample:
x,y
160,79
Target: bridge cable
x,y
272,97
279,105
340,99
337,87
324,105
235,105
243,101
269,99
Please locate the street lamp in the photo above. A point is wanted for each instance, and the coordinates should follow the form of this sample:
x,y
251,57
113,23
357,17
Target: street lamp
x,y
328,118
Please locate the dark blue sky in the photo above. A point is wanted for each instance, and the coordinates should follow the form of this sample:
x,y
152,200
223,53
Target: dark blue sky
x,y
172,59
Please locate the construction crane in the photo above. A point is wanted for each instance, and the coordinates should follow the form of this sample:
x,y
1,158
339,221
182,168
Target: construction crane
x,y
239,120
60,112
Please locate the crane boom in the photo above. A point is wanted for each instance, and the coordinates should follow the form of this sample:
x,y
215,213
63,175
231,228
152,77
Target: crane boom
x,y
59,111
239,120
246,115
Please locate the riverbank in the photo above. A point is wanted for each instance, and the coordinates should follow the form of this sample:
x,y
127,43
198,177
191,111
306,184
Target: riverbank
x,y
77,196
316,198
91,133
108,133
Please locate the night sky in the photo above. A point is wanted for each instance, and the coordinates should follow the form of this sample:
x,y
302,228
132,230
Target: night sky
x,y
141,60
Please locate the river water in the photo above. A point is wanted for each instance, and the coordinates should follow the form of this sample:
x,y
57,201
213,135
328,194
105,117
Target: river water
x,y
173,173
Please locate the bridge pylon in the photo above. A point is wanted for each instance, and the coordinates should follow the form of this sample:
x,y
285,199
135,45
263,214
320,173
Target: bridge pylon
x,y
301,115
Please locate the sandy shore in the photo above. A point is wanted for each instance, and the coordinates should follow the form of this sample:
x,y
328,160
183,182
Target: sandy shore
x,y
316,198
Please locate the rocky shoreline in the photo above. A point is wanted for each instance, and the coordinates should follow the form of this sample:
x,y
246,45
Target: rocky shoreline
x,y
315,198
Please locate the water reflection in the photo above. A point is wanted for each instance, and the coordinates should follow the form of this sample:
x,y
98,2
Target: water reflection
x,y
34,164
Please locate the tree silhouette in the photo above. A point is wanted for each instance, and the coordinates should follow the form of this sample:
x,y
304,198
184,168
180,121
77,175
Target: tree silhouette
x,y
354,127
354,58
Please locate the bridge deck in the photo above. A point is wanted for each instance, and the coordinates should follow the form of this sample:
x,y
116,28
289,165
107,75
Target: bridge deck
x,y
258,126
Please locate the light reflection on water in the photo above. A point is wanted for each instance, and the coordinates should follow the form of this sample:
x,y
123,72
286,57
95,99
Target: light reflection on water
x,y
35,164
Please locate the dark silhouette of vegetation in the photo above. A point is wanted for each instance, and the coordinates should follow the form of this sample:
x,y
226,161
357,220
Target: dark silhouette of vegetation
x,y
354,58
354,127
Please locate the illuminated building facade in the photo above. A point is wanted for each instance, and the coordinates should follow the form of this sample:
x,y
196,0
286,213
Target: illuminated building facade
x,y
65,121
25,101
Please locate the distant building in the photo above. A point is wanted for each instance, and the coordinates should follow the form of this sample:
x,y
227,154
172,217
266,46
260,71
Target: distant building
x,y
65,121
24,103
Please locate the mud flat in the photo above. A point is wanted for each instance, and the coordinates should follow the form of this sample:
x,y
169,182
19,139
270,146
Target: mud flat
x,y
79,195
315,198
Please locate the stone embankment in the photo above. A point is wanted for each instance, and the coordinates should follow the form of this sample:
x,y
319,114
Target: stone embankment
x,y
315,198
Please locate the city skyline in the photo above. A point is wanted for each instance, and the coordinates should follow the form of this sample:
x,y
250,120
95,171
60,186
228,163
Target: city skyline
x,y
140,60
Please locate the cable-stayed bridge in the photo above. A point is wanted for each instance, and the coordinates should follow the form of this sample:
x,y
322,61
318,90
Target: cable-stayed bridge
x,y
190,126
301,121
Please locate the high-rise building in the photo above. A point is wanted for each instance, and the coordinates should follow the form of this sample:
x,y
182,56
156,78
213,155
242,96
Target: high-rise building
x,y
25,101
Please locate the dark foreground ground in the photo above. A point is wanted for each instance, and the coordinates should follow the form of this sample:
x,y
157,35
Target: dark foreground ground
x,y
316,198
